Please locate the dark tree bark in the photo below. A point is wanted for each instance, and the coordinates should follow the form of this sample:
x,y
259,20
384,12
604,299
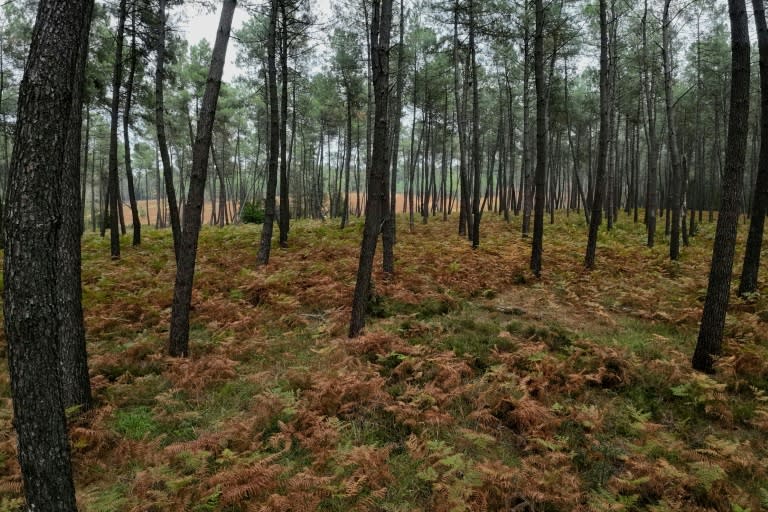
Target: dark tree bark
x,y
162,144
676,188
464,225
40,176
285,211
649,91
185,271
526,176
718,290
75,381
476,158
126,132
375,209
390,224
347,154
113,193
265,246
541,140
86,149
602,150
749,271
414,155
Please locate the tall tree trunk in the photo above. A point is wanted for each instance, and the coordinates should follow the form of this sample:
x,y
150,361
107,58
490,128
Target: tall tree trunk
x,y
748,282
221,216
390,224
369,121
162,144
285,211
541,140
414,155
84,173
6,151
114,181
649,91
602,151
464,228
527,177
375,208
700,163
476,158
185,270
93,190
718,289
43,179
121,215
347,158
575,149
126,132
675,189
265,246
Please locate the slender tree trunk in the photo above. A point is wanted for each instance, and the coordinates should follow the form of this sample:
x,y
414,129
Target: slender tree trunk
x,y
718,289
749,272
414,156
390,224
93,190
376,205
683,200
369,121
6,151
527,177
285,210
185,270
575,153
602,151
476,158
162,144
653,145
464,228
675,188
121,215
84,173
221,217
126,132
114,181
265,245
700,163
347,158
541,140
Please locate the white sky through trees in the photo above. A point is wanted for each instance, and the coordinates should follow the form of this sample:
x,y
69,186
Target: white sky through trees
x,y
199,25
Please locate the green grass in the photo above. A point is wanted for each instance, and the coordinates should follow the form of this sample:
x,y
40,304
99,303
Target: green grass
x,y
136,423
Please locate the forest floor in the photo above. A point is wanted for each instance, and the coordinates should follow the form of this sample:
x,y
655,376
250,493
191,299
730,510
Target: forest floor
x,y
475,386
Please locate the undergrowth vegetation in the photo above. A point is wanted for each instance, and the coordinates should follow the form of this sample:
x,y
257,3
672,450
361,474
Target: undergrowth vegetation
x,y
474,387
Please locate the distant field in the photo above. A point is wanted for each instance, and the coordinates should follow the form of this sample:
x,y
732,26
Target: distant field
x,y
143,208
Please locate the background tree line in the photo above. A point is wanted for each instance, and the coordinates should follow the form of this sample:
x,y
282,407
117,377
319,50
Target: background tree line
x,y
325,110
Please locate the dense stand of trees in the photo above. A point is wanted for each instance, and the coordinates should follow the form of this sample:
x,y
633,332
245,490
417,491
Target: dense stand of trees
x,y
536,95
479,108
